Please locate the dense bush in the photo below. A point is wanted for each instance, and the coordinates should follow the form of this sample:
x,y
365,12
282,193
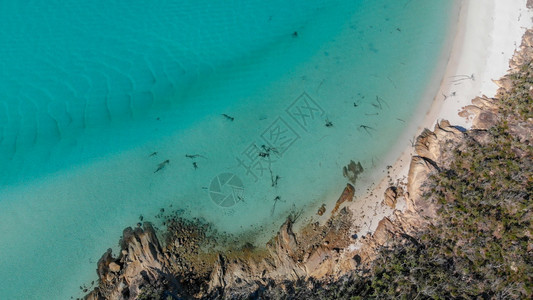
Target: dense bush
x,y
481,243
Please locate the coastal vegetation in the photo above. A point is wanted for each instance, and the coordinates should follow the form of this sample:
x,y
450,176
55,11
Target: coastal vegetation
x,y
480,245
476,241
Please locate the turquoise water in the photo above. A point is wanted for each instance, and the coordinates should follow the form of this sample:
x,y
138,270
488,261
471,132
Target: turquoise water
x,y
94,98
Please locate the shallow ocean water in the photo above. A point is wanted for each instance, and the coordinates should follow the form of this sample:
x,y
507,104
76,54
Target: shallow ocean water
x,y
94,98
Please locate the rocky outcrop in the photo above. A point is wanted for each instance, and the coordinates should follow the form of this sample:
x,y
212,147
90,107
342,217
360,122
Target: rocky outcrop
x,y
483,111
347,195
522,55
433,151
315,252
145,268
182,268
430,157
390,198
141,261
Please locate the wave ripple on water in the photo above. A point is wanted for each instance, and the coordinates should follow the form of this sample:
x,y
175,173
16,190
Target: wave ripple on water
x,y
89,91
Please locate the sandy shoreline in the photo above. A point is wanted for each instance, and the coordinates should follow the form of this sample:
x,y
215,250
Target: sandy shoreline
x,y
486,37
479,46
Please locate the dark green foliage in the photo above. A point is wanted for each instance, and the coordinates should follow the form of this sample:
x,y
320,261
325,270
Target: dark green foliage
x,y
480,245
518,103
154,292
347,287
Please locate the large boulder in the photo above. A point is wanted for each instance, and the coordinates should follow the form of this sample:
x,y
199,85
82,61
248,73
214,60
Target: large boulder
x,y
347,195
140,262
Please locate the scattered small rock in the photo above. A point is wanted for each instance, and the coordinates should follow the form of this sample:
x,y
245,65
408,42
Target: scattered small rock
x,y
321,210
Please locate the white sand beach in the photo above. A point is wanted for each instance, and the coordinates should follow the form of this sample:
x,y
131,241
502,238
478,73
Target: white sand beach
x,y
487,34
75,212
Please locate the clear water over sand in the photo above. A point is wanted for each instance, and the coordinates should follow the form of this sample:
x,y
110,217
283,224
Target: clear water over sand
x,y
94,99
